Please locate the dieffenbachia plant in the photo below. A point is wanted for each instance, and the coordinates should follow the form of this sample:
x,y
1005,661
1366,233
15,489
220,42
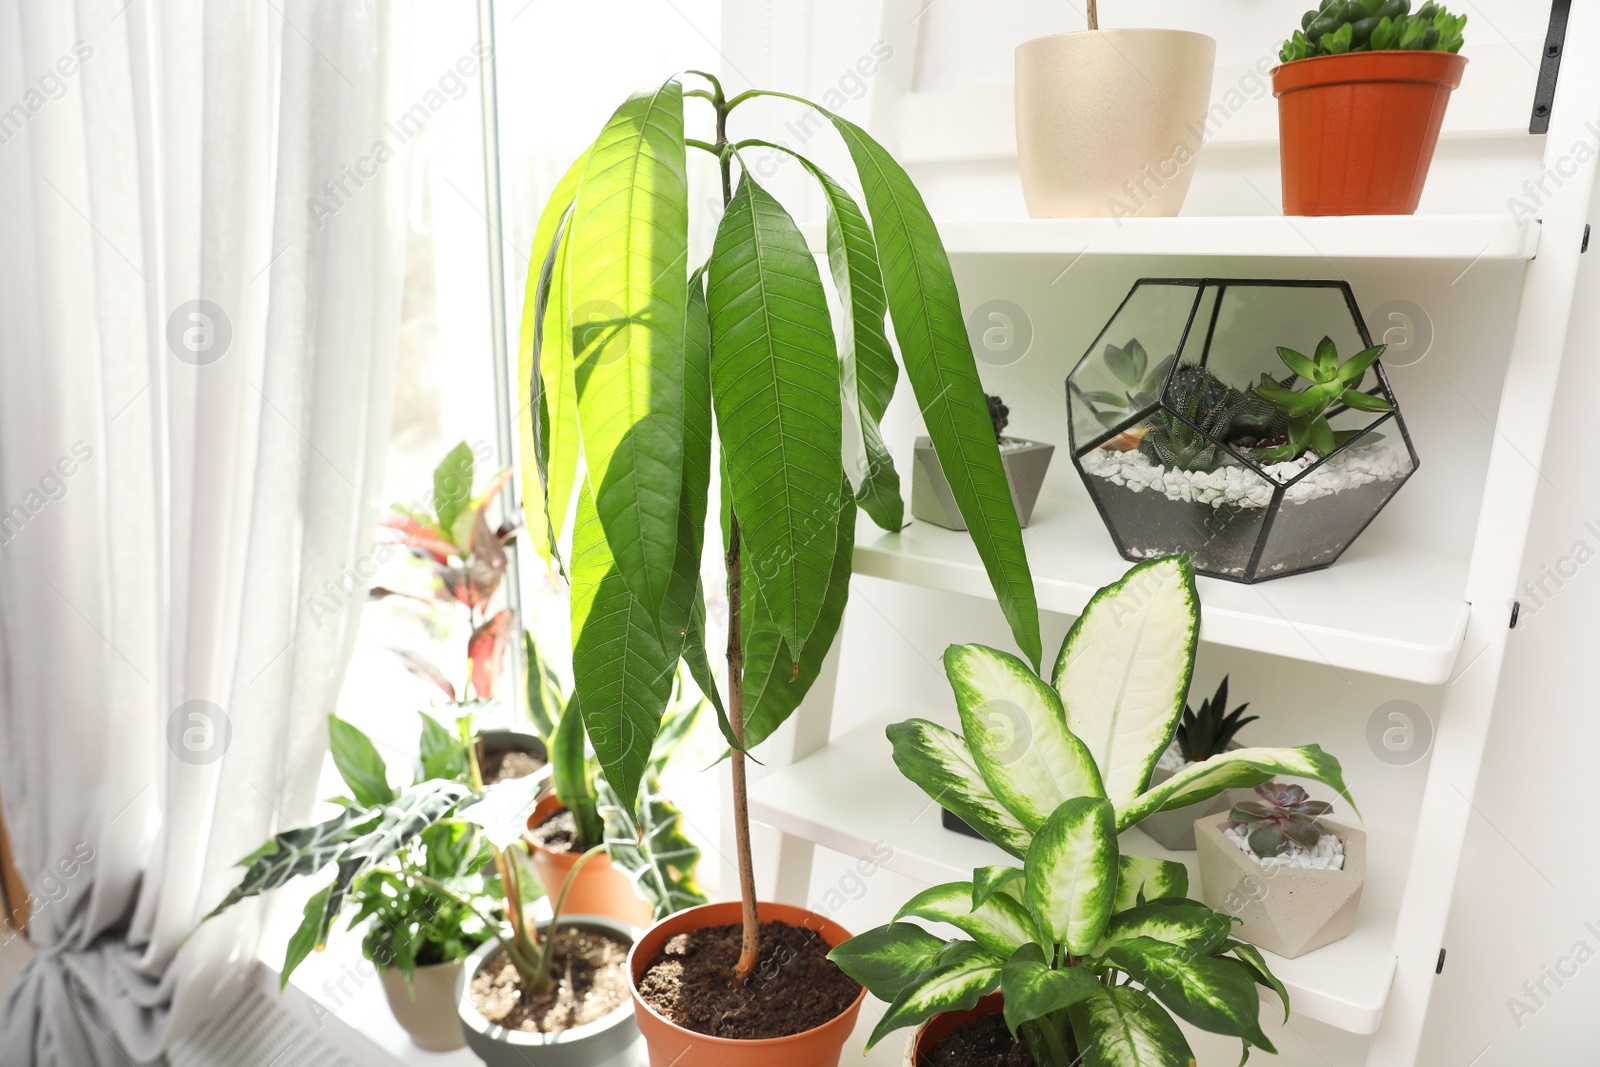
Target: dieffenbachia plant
x,y
1093,950
635,357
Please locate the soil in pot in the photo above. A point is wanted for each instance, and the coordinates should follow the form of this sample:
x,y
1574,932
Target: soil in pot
x,y
591,971
795,987
983,1042
559,833
509,763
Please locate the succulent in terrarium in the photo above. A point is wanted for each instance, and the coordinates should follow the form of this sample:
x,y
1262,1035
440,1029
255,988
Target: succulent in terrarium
x,y
999,414
1330,383
1211,730
1336,27
1142,384
1201,414
1284,816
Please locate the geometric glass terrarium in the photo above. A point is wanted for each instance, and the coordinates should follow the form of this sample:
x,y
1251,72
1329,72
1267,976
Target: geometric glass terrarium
x,y
1246,422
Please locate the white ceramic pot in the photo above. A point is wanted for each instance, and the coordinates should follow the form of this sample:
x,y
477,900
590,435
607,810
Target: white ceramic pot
x,y
425,1008
1110,122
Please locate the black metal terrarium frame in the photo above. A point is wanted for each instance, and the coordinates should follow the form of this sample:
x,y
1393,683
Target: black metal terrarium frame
x,y
1280,488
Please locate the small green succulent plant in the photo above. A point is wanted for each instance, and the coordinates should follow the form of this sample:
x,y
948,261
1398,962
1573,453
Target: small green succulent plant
x,y
1201,413
1340,26
1332,383
1284,816
1204,734
1142,383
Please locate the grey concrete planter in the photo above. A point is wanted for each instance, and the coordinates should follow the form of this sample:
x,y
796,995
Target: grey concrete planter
x,y
613,1041
932,500
1174,830
1287,910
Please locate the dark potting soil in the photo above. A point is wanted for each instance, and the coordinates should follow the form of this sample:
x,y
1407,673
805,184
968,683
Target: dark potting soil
x,y
591,972
509,763
983,1042
795,987
558,833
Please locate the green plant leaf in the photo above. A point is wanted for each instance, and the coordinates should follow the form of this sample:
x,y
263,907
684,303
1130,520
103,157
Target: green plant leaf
x,y
452,489
886,959
1353,369
569,773
1000,924
501,811
937,760
1033,990
304,939
442,753
1125,1027
685,608
1071,873
960,974
628,271
987,881
359,764
1124,670
775,385
622,675
1142,878
301,851
1017,733
1241,768
1251,958
1298,363
660,859
1215,994
1188,924
1364,401
546,701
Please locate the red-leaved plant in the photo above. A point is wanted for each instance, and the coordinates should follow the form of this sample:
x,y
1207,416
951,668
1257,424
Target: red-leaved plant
x,y
1284,815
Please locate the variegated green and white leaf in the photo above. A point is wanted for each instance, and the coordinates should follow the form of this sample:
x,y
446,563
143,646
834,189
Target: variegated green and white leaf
x,y
1237,768
1017,733
960,974
652,847
1000,925
1124,670
1071,878
1124,1027
986,881
887,958
1032,989
1188,924
1260,973
1213,993
937,760
1142,878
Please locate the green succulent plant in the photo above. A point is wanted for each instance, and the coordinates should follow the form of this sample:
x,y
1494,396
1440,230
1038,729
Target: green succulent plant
x,y
1332,383
1211,730
1200,415
1284,816
1341,26
1142,383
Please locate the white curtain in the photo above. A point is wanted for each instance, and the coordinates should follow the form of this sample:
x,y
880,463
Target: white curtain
x,y
200,270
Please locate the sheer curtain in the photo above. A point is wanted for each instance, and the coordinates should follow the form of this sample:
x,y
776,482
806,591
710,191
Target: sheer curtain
x,y
201,250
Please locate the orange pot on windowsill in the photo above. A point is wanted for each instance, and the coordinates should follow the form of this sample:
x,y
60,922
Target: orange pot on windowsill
x,y
600,888
1357,131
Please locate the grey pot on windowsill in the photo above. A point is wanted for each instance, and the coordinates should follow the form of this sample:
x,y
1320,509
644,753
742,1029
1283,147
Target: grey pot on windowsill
x,y
1025,463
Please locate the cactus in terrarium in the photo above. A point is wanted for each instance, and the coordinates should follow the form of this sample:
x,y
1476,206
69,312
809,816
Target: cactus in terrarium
x,y
1201,414
1211,730
1337,27
1284,816
1330,383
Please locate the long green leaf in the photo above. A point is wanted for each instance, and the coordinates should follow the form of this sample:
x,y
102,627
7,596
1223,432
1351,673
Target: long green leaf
x,y
1033,989
1071,873
960,974
1215,994
1000,924
300,851
987,881
775,386
1253,962
926,310
569,774
359,764
1239,768
442,753
304,939
685,605
628,293
1142,878
1017,733
1124,670
1124,1027
1186,923
937,760
886,959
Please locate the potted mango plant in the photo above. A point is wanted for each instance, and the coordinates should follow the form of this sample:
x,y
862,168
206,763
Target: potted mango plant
x,y
748,336
1092,952
1361,98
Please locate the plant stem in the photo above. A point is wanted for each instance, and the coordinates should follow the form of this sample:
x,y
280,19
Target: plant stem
x,y
1044,1041
750,942
1094,14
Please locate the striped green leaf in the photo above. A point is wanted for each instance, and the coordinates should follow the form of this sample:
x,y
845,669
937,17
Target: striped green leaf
x,y
1033,990
1000,924
1124,669
628,296
1124,1027
886,959
960,974
775,384
1260,973
1215,994
1143,878
1188,924
1071,878
986,881
937,760
1238,768
1017,734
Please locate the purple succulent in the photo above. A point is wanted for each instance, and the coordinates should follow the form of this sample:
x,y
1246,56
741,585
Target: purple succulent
x,y
1284,815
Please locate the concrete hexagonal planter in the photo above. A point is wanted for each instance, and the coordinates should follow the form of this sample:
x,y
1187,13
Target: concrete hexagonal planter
x,y
1174,830
1287,910
1025,463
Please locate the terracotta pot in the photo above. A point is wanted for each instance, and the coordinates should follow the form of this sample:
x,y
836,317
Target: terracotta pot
x,y
1287,910
601,888
426,1007
936,1029
1357,131
671,1044
612,1041
1110,122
